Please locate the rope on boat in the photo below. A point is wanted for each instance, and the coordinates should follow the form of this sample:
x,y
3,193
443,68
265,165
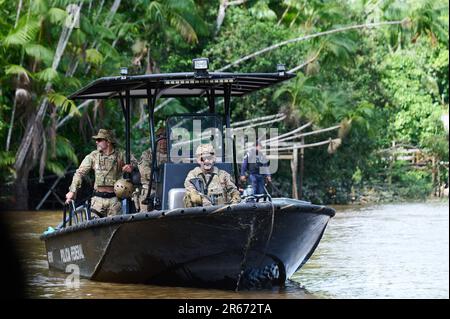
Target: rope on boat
x,y
244,258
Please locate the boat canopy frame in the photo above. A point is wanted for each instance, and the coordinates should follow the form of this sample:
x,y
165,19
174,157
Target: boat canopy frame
x,y
175,85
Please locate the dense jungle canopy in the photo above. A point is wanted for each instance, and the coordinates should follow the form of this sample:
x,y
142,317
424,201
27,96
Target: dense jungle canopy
x,y
378,68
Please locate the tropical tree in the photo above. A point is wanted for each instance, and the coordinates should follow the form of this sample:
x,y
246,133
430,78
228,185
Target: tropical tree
x,y
372,66
86,42
41,84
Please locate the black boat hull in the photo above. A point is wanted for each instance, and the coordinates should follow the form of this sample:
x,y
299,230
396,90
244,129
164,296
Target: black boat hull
x,y
231,247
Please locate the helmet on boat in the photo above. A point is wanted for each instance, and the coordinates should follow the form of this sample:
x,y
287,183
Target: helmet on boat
x,y
123,188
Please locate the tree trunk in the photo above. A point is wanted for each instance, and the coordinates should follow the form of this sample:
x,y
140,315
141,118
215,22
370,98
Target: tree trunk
x,y
24,158
220,15
224,4
20,189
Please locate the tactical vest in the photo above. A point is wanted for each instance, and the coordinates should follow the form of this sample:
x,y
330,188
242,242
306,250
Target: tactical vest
x,y
107,168
214,188
146,163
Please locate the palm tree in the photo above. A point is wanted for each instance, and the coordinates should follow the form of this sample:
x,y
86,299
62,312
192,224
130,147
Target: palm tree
x,y
164,21
301,97
29,38
31,41
161,24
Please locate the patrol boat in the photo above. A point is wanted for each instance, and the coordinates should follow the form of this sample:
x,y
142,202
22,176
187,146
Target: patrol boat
x,y
259,242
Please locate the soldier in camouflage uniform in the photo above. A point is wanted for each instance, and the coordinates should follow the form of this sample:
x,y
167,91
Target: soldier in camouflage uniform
x,y
207,185
108,164
145,169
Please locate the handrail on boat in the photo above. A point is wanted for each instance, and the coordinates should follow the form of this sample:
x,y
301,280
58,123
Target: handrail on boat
x,y
76,214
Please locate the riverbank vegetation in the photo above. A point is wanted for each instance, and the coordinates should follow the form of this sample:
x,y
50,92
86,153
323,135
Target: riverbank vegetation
x,y
378,68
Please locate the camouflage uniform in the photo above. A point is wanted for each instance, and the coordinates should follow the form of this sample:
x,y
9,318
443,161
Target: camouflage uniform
x,y
145,169
108,169
218,188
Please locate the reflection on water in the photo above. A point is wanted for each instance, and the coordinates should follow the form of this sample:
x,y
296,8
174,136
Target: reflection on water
x,y
389,251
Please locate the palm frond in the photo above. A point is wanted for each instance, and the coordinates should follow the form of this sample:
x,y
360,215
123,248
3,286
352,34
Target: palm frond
x,y
24,33
124,29
104,33
341,46
280,92
65,149
78,37
155,12
183,27
14,69
57,15
40,53
48,75
6,158
72,82
39,6
86,26
55,167
94,57
180,6
426,21
108,50
63,102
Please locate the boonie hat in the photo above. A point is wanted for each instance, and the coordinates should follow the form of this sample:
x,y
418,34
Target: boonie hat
x,y
106,135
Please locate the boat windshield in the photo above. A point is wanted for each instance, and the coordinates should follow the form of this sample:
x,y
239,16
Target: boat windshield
x,y
187,131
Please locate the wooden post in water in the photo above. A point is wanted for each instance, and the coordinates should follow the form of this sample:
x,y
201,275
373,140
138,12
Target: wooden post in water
x,y
391,165
302,155
439,180
294,166
433,174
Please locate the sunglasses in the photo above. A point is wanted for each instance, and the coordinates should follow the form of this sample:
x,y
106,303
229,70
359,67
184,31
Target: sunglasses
x,y
99,139
207,157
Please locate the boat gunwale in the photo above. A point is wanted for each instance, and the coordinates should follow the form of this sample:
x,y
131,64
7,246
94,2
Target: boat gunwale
x,y
299,207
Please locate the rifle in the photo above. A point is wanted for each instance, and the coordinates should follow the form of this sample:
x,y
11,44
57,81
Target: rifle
x,y
200,188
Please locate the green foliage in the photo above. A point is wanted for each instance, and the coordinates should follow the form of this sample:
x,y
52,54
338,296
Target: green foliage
x,y
415,109
411,183
63,102
65,149
6,158
16,70
48,75
229,46
25,32
94,57
55,167
261,11
381,84
40,53
57,15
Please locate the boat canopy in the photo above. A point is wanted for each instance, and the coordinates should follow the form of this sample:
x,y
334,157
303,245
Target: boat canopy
x,y
189,84
199,83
